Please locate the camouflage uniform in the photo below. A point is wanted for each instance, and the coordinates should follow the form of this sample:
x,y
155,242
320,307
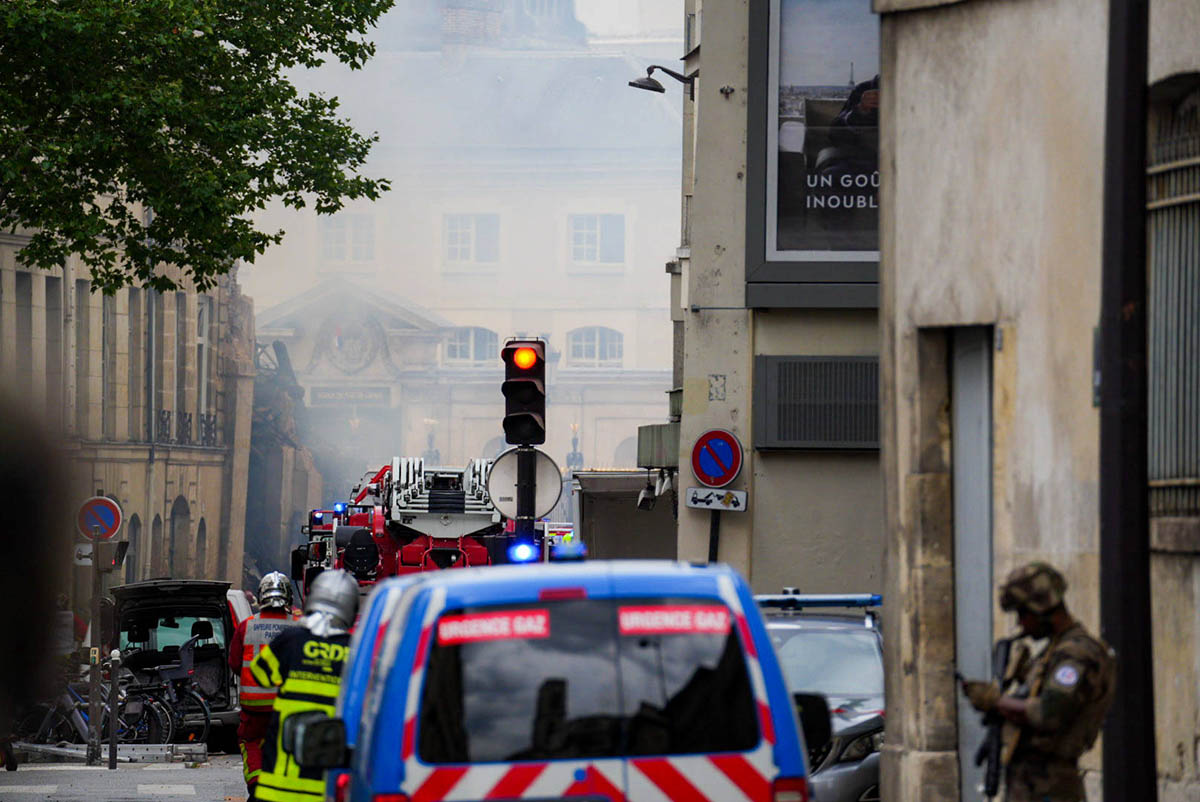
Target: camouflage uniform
x,y
1070,685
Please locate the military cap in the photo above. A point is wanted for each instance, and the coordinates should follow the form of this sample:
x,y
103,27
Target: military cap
x,y
1037,587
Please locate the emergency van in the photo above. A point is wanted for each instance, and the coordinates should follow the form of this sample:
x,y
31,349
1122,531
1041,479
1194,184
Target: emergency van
x,y
610,681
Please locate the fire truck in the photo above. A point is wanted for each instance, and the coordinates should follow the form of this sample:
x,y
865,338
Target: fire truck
x,y
407,517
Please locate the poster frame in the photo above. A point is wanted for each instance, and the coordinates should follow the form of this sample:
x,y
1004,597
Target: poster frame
x,y
786,280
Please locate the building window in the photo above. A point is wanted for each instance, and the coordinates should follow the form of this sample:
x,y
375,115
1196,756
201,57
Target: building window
x,y
348,236
362,238
597,238
333,239
595,347
204,305
543,8
471,238
473,344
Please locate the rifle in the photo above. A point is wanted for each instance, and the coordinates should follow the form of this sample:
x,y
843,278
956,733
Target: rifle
x,y
993,743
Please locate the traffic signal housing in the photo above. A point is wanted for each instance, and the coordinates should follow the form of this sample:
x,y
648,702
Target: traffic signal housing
x,y
109,554
524,392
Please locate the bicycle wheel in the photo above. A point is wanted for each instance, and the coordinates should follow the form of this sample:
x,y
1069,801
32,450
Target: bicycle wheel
x,y
44,724
192,718
144,720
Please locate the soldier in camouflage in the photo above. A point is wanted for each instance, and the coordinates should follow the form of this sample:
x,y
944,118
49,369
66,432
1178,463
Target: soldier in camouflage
x,y
1063,695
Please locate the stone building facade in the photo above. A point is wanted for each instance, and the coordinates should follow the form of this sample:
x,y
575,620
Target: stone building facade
x,y
152,393
993,121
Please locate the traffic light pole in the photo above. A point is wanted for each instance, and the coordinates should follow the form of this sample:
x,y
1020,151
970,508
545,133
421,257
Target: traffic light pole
x,y
526,490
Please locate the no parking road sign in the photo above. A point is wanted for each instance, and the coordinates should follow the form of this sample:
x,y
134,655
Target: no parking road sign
x,y
99,516
716,458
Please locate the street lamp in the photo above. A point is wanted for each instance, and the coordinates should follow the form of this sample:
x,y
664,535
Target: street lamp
x,y
652,85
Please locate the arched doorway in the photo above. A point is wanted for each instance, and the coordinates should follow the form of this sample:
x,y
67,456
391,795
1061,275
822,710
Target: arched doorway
x,y
200,567
155,568
181,527
134,555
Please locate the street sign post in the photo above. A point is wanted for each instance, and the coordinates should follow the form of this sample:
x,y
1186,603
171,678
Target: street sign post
x,y
99,518
716,461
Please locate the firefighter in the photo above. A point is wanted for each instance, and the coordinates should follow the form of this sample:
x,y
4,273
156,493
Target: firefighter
x,y
305,665
253,634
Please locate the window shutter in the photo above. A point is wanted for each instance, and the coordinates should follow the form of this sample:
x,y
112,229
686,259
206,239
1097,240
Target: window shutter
x,y
612,238
487,238
816,402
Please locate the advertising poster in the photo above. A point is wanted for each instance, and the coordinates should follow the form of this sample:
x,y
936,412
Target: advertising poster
x,y
823,140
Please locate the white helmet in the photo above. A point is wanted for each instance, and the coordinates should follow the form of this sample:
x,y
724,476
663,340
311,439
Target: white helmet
x,y
275,591
333,594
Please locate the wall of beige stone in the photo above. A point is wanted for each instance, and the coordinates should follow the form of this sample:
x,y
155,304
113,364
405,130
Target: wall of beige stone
x,y
991,209
103,424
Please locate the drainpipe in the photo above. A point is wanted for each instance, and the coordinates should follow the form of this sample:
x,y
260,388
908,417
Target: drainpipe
x,y
1129,757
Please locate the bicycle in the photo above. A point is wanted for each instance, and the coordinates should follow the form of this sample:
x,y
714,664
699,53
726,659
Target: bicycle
x,y
175,688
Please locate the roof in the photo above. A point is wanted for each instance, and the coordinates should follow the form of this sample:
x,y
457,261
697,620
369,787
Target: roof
x,y
548,105
342,293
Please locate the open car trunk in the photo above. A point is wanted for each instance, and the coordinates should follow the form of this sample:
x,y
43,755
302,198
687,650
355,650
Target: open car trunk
x,y
155,618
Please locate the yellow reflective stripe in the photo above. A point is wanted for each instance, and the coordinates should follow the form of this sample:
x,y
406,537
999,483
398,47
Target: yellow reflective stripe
x,y
268,793
292,783
286,707
310,687
265,668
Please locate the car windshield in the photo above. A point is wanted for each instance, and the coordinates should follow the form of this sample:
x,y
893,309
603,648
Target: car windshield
x,y
834,662
166,630
585,678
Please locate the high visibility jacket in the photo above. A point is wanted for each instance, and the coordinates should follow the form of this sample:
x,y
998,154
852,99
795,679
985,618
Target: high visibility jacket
x,y
306,670
252,636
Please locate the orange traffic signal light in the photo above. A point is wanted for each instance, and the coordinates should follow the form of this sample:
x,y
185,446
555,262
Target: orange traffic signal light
x,y
524,391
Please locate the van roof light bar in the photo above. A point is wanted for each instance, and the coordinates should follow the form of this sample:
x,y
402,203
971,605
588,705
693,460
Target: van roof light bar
x,y
796,601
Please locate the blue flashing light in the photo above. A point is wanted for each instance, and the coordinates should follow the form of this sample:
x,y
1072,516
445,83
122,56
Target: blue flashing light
x,y
318,515
339,508
796,601
522,552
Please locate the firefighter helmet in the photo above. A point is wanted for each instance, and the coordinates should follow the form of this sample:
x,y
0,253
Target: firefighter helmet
x,y
275,591
1037,587
334,593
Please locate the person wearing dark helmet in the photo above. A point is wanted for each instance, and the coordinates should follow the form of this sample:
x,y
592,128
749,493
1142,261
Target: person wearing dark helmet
x,y
252,636
305,665
1064,693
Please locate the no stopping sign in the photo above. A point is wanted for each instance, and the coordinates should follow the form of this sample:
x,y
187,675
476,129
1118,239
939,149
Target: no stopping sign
x,y
716,458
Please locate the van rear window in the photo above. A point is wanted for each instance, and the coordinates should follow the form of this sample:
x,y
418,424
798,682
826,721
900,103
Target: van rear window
x,y
585,678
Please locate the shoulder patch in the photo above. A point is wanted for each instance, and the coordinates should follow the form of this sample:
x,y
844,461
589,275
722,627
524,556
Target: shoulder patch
x,y
1066,676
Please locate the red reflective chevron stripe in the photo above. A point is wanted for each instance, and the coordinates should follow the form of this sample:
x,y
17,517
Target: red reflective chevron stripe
x,y
410,731
768,725
438,784
422,649
595,783
743,774
747,641
516,780
669,779
378,640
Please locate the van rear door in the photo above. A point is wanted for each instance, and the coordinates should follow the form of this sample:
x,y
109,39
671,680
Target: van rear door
x,y
520,700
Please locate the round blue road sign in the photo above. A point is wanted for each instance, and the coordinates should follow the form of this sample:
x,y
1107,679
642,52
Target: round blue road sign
x,y
99,516
716,458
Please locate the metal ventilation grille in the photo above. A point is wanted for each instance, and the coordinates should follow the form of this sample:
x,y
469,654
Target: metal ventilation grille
x,y
1173,237
816,402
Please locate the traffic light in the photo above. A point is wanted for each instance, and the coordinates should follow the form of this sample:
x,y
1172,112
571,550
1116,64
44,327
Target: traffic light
x,y
109,554
524,392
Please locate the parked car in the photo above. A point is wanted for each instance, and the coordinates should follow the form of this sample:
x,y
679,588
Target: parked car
x,y
594,679
839,656
156,617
